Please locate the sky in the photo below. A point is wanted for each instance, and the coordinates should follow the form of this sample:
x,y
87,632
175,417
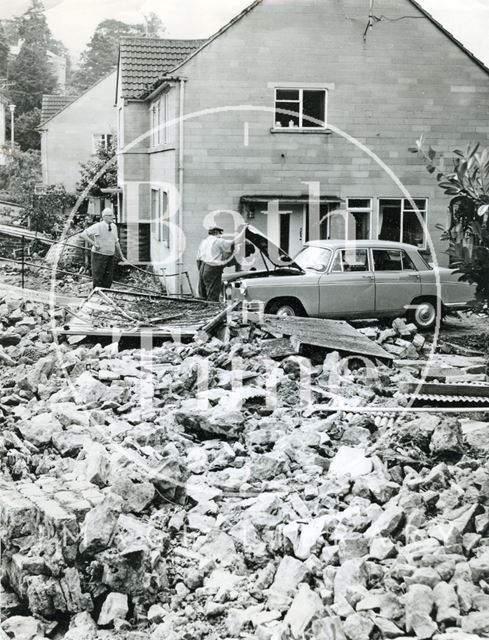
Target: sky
x,y
73,21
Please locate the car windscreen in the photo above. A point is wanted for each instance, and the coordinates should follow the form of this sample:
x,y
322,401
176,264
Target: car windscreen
x,y
313,258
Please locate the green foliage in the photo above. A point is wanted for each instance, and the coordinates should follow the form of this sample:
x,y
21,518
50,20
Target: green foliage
x,y
20,175
101,53
47,212
26,134
4,51
100,172
153,25
30,69
468,233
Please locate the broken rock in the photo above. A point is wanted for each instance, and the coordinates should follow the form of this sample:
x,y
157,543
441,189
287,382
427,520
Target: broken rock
x,y
350,461
419,602
305,606
115,607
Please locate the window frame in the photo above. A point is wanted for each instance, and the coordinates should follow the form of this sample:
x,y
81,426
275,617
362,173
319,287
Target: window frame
x,y
403,255
369,211
343,249
104,139
409,209
300,102
158,117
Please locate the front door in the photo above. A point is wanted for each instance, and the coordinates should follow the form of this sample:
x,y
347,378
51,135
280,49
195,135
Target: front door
x,y
397,281
348,290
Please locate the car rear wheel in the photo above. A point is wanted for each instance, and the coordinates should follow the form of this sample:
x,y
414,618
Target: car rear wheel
x,y
285,308
424,315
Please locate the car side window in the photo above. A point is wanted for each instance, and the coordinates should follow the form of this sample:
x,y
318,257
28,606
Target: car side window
x,y
392,260
407,263
347,260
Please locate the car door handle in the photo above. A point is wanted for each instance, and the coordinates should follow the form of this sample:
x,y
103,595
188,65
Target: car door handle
x,y
411,276
367,277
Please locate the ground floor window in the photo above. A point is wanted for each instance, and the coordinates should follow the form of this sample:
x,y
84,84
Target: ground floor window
x,y
399,220
159,216
359,218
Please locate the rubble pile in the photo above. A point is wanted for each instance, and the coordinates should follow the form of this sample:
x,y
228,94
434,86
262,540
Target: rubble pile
x,y
402,340
208,490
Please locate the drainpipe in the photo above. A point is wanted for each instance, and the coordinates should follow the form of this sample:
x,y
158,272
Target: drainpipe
x,y
180,183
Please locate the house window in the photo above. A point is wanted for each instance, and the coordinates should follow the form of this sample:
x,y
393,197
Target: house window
x,y
159,118
101,140
155,213
165,218
160,216
155,122
359,218
300,108
399,221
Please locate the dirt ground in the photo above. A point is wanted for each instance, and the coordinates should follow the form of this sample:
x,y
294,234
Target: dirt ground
x,y
467,330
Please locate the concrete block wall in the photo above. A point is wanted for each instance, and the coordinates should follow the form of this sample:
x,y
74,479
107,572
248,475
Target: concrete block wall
x,y
406,79
67,141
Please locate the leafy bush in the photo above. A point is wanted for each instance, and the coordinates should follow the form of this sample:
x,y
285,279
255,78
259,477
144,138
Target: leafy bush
x,y
468,231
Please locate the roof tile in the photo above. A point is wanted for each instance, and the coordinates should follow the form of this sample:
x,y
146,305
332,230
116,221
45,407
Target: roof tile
x,y
52,104
145,60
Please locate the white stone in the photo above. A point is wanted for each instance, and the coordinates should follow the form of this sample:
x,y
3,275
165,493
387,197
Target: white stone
x,y
350,461
305,606
22,627
114,607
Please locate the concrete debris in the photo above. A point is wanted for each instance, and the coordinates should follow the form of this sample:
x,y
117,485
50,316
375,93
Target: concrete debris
x,y
211,493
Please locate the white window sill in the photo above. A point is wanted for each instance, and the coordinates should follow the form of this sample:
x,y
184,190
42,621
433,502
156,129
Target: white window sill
x,y
320,130
167,146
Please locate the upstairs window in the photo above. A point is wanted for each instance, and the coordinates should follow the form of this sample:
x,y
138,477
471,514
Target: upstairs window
x,y
103,140
159,118
300,108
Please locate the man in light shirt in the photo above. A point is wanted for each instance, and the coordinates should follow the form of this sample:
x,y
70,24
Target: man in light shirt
x,y
212,256
105,245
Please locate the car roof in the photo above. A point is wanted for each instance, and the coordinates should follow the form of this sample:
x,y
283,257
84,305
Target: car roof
x,y
361,244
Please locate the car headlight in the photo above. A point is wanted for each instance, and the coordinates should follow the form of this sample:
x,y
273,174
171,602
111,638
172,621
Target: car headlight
x,y
243,289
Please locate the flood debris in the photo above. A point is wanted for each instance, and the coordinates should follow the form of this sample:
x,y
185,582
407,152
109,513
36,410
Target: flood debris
x,y
213,489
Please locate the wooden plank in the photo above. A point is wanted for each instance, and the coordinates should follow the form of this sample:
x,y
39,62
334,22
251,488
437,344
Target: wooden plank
x,y
107,332
446,389
335,335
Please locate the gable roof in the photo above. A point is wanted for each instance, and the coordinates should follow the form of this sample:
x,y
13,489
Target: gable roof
x,y
254,4
52,104
143,61
70,101
439,26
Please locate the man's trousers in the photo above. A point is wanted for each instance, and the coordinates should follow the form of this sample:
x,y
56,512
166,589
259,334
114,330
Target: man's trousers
x,y
102,270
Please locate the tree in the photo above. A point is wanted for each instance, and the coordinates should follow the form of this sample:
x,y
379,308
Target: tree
x,y
4,51
153,24
30,70
101,53
26,134
468,231
99,173
20,174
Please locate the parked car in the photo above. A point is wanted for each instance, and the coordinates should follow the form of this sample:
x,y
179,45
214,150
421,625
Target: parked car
x,y
348,280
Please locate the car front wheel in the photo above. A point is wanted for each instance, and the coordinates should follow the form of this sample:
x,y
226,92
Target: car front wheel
x,y
424,315
285,308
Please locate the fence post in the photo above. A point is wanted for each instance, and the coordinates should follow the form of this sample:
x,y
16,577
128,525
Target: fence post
x,y
23,259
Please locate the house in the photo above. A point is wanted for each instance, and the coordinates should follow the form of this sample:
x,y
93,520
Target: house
x,y
72,128
297,116
57,66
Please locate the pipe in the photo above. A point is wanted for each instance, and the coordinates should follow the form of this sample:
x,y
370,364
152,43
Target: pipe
x,y
180,184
